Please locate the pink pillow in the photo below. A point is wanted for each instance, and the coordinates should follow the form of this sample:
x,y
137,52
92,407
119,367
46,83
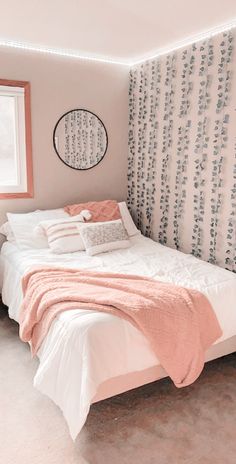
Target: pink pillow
x,y
102,211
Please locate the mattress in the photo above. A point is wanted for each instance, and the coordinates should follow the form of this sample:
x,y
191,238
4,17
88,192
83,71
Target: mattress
x,y
85,349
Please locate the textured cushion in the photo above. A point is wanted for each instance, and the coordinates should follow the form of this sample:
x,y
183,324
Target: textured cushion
x,y
108,210
63,234
101,211
103,236
23,226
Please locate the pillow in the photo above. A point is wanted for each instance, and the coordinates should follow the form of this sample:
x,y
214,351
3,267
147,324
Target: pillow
x,y
62,234
6,230
127,220
23,225
108,210
103,236
102,211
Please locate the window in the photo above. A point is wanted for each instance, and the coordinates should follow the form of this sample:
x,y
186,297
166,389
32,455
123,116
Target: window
x,y
16,179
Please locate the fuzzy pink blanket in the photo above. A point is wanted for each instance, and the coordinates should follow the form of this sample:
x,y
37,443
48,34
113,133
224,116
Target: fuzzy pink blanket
x,y
179,323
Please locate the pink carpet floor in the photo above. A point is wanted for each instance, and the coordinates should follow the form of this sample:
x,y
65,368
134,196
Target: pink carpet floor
x,y
155,424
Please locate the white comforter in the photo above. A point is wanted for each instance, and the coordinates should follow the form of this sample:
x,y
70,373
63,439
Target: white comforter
x,y
85,348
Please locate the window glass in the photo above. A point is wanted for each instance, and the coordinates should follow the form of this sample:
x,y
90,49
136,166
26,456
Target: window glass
x,y
8,159
16,178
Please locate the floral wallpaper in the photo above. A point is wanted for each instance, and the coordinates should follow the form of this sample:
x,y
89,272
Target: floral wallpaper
x,y
182,149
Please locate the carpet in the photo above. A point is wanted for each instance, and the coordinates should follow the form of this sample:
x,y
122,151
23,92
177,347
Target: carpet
x,y
154,424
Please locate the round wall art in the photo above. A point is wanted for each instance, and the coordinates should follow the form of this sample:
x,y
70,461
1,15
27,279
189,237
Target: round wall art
x,y
80,139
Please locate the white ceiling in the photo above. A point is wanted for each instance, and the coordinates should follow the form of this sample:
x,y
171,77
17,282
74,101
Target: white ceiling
x,y
119,30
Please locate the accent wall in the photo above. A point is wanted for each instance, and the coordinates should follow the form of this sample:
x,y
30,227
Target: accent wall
x,y
182,149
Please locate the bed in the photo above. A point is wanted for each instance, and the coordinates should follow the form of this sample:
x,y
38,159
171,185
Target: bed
x,y
89,356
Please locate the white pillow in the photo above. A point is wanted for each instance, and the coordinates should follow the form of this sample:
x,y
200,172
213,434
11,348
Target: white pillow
x,y
23,226
63,234
6,230
99,237
127,220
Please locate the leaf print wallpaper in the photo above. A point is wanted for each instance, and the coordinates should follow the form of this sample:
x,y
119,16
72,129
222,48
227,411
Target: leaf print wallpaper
x,y
182,149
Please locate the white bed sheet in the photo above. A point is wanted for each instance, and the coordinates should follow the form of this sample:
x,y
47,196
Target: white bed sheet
x,y
85,348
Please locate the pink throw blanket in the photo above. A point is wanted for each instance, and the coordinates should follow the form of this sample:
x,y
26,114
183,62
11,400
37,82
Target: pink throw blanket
x,y
179,323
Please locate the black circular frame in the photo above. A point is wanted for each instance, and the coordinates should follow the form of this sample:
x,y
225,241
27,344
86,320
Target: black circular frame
x,y
55,148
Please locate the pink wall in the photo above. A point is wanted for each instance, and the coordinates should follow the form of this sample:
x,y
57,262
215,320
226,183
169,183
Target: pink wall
x,y
59,84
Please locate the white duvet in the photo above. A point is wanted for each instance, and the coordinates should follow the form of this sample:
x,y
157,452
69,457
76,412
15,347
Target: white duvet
x,y
85,348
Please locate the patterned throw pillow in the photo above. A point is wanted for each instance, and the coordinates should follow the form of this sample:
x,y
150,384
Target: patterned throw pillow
x,y
63,234
102,211
103,236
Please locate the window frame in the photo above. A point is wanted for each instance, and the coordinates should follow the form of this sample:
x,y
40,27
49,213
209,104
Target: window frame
x,y
28,193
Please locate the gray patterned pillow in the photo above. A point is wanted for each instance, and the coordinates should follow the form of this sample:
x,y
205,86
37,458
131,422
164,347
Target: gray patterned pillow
x,y
99,237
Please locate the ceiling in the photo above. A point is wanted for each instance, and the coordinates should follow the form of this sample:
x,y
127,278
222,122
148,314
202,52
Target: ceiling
x,y
119,30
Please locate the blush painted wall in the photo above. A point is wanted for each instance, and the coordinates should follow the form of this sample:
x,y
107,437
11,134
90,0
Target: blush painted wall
x,y
59,84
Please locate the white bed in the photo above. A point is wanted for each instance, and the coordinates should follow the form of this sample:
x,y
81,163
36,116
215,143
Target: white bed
x,y
88,356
